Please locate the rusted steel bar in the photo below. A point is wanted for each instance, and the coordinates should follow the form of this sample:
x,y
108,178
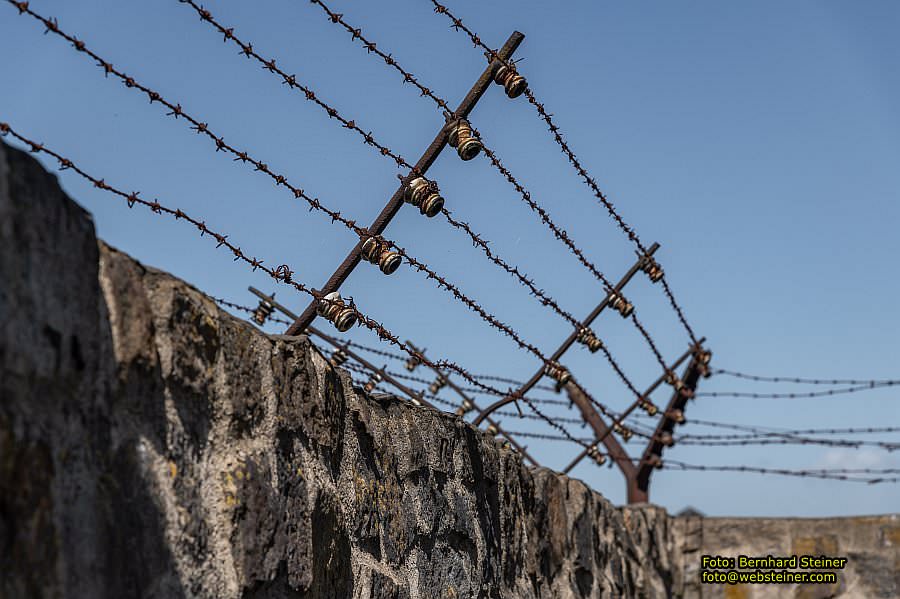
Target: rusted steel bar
x,y
646,395
590,415
520,448
570,340
421,167
666,425
414,397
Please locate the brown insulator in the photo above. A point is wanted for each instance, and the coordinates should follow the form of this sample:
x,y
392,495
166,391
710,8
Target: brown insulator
x,y
439,383
622,431
373,382
338,357
463,139
376,251
412,363
703,359
679,385
424,195
558,372
492,430
333,308
588,338
618,303
262,312
676,416
466,407
594,453
654,461
652,268
513,83
649,407
666,439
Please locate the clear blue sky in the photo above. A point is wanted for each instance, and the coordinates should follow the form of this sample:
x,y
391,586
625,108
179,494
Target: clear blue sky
x,y
757,142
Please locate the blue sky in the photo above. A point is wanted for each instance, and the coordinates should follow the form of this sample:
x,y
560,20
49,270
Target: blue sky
x,y
758,143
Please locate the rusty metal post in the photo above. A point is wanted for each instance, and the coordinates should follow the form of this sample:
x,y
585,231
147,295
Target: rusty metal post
x,y
520,448
635,404
613,447
666,425
421,167
569,341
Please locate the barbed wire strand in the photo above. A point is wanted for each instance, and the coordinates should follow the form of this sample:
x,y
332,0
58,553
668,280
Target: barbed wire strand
x,y
557,231
281,274
725,441
829,474
803,395
545,299
280,180
800,380
573,160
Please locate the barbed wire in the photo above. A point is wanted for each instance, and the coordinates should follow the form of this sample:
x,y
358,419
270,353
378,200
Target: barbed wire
x,y
763,430
491,54
282,274
802,395
377,352
401,375
558,232
477,240
725,442
281,180
800,380
248,310
484,377
793,440
824,473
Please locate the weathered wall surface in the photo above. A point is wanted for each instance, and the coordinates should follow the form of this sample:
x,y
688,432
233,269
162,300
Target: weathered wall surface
x,y
153,446
871,545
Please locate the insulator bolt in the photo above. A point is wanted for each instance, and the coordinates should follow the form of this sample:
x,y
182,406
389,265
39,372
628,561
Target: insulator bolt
x,y
376,251
372,382
679,385
618,303
513,83
492,430
466,407
649,407
703,359
655,462
412,363
338,357
666,439
587,337
333,308
652,268
676,416
622,431
595,455
262,312
439,383
558,373
424,195
461,137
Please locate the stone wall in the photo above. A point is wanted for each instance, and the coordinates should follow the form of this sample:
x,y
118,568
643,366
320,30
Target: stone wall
x,y
871,545
152,445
